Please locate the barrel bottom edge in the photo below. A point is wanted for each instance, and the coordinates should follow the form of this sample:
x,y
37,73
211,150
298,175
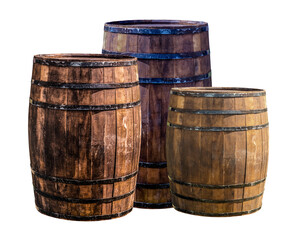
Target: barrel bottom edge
x,y
229,214
152,205
83,218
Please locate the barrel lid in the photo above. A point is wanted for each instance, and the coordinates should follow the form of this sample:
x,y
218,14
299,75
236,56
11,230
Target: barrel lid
x,y
157,27
218,92
84,60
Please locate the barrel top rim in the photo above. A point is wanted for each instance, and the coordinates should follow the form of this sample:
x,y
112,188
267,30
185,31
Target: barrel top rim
x,y
156,27
218,92
84,60
217,89
156,24
84,57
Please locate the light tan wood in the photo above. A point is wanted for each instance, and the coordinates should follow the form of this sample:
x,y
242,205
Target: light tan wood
x,y
217,150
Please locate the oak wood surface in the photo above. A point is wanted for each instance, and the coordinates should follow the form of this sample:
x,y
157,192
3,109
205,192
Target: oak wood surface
x,y
135,37
217,150
84,162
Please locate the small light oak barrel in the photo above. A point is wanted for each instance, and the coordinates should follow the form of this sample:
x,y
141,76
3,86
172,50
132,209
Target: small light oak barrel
x,y
170,54
84,135
217,150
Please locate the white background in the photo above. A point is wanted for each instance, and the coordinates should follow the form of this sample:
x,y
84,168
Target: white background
x,y
261,44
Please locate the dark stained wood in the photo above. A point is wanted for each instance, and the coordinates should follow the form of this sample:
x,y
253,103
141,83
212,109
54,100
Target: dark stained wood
x,y
155,97
214,170
84,162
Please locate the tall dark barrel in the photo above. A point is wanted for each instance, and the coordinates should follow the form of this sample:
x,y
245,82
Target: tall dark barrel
x,y
217,150
84,135
170,54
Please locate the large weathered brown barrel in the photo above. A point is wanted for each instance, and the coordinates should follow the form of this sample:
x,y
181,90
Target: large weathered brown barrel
x,y
84,135
170,54
217,150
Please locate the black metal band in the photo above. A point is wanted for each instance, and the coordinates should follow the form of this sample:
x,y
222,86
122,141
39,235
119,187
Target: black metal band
x,y
161,56
83,201
216,201
82,218
84,182
125,29
153,164
84,85
152,205
229,214
218,112
218,129
152,186
220,95
175,80
200,185
84,107
63,63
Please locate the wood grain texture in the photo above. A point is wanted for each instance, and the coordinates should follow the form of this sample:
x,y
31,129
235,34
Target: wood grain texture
x,y
217,150
84,162
128,38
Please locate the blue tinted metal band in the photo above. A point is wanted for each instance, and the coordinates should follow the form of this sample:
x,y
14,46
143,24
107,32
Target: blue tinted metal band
x,y
218,112
84,85
211,186
161,56
215,201
160,31
152,164
227,214
92,64
152,205
220,95
175,80
82,201
83,182
81,218
218,129
84,107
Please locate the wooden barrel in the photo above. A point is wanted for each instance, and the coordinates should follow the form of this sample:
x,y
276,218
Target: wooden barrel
x,y
84,135
170,54
217,150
